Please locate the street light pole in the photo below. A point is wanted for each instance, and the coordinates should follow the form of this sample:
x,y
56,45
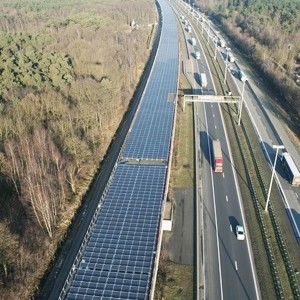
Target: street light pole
x,y
241,105
277,147
208,30
215,50
226,63
226,66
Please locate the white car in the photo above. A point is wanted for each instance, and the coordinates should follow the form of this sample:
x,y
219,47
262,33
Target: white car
x,y
240,232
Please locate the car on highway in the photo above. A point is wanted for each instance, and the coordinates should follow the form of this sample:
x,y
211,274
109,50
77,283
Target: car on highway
x,y
242,76
240,232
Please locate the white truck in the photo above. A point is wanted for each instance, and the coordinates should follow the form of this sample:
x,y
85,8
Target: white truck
x,y
203,80
189,29
193,41
290,168
231,57
221,43
242,76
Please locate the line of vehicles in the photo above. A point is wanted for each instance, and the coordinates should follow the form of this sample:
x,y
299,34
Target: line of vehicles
x,y
289,166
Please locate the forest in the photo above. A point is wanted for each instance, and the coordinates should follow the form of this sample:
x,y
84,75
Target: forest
x,y
68,70
267,32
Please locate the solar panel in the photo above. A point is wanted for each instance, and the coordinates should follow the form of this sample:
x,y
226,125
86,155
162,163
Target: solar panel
x,y
118,259
150,136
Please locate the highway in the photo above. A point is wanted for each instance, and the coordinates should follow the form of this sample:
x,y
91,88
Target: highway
x,y
266,120
228,270
222,211
271,132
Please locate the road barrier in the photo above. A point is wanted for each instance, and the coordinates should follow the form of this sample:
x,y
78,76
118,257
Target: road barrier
x,y
279,237
258,208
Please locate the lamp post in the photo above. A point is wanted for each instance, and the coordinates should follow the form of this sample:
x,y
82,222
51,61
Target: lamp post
x,y
242,100
226,64
277,147
215,56
208,30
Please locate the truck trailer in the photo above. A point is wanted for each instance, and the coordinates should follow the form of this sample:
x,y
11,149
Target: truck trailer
x,y
231,57
217,157
290,168
193,41
203,80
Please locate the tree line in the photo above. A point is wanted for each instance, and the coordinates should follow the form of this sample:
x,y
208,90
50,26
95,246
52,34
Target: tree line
x,y
267,32
68,69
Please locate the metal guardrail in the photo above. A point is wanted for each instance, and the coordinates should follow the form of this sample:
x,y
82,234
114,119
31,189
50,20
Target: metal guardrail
x,y
259,213
258,210
279,237
260,218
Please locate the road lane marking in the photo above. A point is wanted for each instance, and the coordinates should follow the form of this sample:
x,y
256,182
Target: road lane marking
x,y
213,115
230,227
223,175
226,198
215,126
236,266
215,211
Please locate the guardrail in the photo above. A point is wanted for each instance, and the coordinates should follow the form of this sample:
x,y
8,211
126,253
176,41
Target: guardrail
x,y
258,209
279,237
259,213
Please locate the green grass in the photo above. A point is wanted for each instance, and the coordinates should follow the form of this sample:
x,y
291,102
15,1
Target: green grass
x,y
175,281
182,172
179,282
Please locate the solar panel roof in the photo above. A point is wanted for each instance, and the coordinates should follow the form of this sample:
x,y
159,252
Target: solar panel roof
x,y
118,258
151,133
117,261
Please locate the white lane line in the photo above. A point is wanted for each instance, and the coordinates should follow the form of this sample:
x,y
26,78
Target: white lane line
x,y
230,227
223,175
240,201
213,115
215,126
215,210
226,198
297,195
236,266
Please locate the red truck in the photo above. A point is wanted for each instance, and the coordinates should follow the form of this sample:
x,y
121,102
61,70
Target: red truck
x,y
217,156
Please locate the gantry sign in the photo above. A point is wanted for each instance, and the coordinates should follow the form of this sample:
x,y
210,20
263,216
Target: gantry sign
x,y
210,98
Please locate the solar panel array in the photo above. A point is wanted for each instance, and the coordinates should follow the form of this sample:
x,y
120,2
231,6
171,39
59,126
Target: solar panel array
x,y
118,256
117,260
150,135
